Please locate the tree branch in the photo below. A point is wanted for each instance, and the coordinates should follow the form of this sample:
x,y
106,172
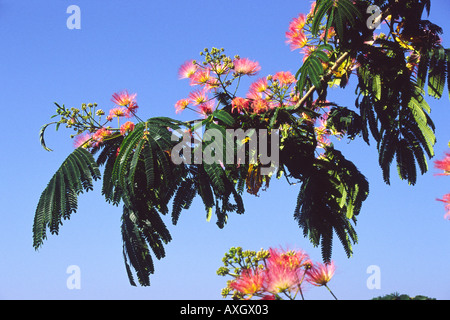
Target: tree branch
x,y
338,63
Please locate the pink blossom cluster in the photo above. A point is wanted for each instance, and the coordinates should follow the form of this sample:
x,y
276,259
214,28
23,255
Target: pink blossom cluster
x,y
268,93
444,165
282,272
209,77
125,107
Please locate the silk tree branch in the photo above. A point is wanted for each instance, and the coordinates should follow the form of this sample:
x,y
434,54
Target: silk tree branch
x,y
338,63
323,80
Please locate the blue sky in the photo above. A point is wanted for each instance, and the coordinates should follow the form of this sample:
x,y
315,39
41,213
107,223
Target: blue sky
x,y
139,45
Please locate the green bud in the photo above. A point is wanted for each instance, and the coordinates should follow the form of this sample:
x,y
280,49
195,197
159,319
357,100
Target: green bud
x,y
222,271
225,292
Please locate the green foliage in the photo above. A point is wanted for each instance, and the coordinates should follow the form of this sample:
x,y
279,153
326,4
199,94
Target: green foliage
x,y
394,73
398,296
329,201
312,69
59,199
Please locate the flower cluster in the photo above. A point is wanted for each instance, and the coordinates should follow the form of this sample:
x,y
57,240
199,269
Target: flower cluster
x,y
216,74
91,131
299,36
272,274
444,165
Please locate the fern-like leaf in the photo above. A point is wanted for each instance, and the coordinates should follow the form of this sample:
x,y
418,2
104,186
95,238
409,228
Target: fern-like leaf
x,y
330,198
59,199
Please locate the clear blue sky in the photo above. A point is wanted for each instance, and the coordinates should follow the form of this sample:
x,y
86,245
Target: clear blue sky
x,y
139,45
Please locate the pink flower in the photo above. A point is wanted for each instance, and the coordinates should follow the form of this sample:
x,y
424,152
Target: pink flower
x,y
126,127
307,52
198,97
281,277
239,104
246,66
118,112
292,259
331,34
260,106
313,8
257,87
249,282
443,165
181,105
206,108
446,200
100,135
124,99
295,35
298,23
187,70
284,78
285,270
321,273
201,77
82,140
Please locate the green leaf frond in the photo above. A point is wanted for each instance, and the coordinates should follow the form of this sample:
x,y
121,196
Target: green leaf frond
x,y
59,199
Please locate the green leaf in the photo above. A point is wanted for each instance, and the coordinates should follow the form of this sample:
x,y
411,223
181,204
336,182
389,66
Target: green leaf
x,y
437,73
224,116
135,250
41,135
321,9
59,199
329,200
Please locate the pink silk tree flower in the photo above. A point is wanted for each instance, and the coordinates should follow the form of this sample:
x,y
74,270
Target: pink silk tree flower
x,y
206,108
281,277
298,23
100,135
293,259
446,200
180,105
187,70
258,87
249,282
118,112
239,104
284,78
201,77
126,127
443,165
260,106
198,97
124,99
321,273
295,35
82,140
307,52
246,66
